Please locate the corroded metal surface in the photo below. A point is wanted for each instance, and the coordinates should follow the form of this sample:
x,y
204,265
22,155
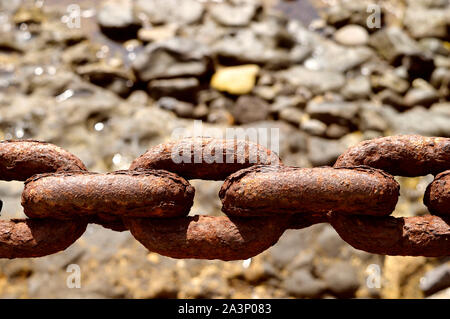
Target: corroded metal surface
x,y
36,238
409,236
269,190
208,237
147,193
261,201
404,155
437,194
205,158
21,159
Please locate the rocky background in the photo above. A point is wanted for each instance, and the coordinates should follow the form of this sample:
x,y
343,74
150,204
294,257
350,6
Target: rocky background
x,y
136,70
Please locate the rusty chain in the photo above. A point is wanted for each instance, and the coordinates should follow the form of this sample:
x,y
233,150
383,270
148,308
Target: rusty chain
x,y
261,198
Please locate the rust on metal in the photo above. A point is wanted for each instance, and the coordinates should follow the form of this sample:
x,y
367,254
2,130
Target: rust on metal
x,y
437,194
270,190
21,159
205,158
208,237
404,155
36,238
147,193
261,201
427,235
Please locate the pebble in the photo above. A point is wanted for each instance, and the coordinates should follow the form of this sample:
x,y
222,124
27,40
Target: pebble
x,y
249,109
342,279
352,35
230,15
237,80
313,127
291,115
436,279
343,113
301,283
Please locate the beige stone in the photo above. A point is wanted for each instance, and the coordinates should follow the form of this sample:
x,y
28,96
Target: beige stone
x,y
236,80
156,34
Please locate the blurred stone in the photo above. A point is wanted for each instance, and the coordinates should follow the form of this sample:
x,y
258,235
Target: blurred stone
x,y
220,116
343,113
354,12
443,108
56,33
268,93
200,111
82,53
317,81
169,11
372,120
50,84
301,283
175,57
181,88
436,279
389,80
180,108
117,79
330,56
323,151
138,97
352,35
116,18
249,109
9,6
329,243
391,98
259,272
418,121
291,244
423,23
291,115
207,95
421,96
357,88
28,14
401,275
8,42
434,45
157,33
393,43
342,279
440,79
238,15
336,131
281,102
236,80
441,61
221,102
246,46
313,127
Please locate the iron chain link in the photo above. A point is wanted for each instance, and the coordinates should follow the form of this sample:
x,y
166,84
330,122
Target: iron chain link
x,y
261,198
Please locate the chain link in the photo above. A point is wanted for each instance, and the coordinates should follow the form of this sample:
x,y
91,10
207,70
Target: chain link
x,y
260,196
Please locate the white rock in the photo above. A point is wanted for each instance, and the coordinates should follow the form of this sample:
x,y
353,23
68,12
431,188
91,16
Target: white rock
x,y
351,35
